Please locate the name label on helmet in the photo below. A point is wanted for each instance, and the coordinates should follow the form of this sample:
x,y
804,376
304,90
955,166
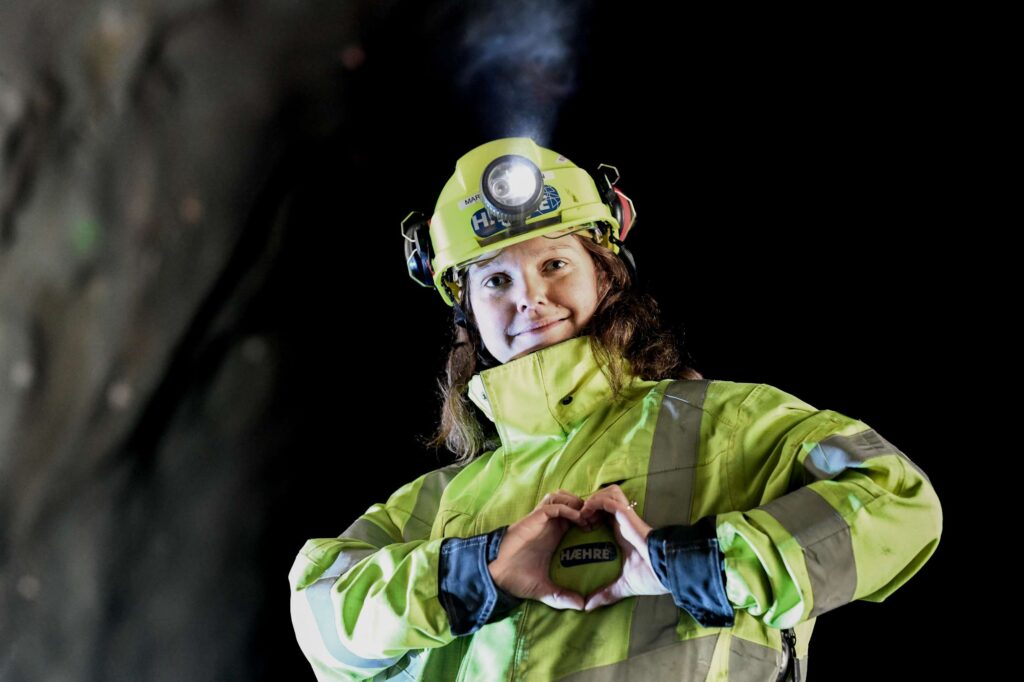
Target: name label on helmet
x,y
484,224
590,553
469,200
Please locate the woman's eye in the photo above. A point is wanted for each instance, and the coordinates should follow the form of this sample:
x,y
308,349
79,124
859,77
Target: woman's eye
x,y
491,279
487,282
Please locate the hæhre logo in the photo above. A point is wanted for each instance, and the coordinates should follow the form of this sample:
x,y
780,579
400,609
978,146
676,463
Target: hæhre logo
x,y
589,553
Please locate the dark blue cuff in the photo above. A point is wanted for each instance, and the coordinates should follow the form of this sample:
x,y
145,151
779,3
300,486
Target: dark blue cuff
x,y
689,563
465,587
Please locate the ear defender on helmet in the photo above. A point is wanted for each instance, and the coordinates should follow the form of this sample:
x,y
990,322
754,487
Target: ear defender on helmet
x,y
418,251
504,192
419,254
622,210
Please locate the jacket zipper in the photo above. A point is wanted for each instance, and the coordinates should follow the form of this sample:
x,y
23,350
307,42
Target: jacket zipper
x,y
791,669
520,634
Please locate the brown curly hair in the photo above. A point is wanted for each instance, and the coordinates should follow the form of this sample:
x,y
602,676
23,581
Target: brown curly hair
x,y
625,324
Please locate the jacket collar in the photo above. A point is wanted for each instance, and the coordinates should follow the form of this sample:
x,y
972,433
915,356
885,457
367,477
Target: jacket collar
x,y
544,395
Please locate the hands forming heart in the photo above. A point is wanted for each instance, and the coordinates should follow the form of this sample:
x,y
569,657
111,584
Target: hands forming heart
x,y
631,531
524,556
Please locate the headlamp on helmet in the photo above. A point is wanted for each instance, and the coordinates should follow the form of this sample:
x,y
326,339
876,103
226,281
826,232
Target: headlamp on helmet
x,y
512,188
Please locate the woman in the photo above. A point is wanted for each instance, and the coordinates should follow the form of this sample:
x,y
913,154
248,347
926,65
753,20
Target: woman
x,y
611,514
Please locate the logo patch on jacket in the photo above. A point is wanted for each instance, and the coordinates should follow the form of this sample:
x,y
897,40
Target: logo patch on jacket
x,y
589,553
586,559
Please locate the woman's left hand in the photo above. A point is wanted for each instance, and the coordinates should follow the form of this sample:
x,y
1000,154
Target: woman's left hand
x,y
637,577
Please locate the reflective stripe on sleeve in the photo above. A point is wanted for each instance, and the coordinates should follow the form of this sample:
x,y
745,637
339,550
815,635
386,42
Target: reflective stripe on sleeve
x,y
428,501
827,546
318,598
313,616
830,457
367,531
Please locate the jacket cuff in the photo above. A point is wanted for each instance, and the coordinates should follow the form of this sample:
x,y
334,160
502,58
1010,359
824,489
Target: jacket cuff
x,y
466,589
689,563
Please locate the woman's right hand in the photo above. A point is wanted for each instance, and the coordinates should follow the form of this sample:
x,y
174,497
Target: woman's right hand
x,y
524,556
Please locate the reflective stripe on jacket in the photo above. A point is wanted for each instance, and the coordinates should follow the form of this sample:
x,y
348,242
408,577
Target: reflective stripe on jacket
x,y
805,509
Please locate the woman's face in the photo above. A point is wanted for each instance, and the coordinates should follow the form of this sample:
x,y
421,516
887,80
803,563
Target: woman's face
x,y
533,294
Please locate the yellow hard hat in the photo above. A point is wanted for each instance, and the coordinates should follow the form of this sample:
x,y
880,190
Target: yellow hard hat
x,y
504,192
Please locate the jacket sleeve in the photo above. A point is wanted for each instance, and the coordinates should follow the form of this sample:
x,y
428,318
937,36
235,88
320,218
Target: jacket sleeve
x,y
367,600
688,562
836,513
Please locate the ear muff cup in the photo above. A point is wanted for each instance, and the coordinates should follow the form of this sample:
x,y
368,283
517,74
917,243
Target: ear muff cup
x,y
623,212
419,252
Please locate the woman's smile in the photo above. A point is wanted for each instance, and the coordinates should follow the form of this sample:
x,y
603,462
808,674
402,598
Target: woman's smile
x,y
540,330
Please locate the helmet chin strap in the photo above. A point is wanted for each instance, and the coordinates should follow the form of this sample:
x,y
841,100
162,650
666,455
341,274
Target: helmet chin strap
x,y
483,356
627,259
460,316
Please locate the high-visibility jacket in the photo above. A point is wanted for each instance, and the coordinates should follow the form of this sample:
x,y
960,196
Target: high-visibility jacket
x,y
767,513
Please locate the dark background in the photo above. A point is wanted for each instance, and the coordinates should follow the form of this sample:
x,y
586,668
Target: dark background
x,y
211,349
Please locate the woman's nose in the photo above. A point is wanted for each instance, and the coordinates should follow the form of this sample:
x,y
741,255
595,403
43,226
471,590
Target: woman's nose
x,y
531,292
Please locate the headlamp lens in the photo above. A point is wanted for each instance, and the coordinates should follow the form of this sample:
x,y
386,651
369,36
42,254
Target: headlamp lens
x,y
512,183
512,187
